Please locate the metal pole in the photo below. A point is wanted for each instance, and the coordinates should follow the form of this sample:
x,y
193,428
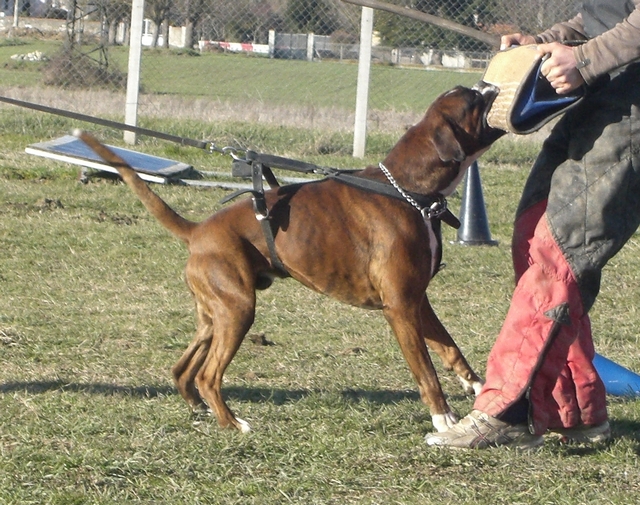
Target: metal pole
x,y
16,13
362,92
487,38
133,76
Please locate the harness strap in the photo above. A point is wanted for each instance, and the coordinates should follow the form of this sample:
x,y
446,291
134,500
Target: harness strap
x,y
271,160
258,166
432,206
262,212
436,205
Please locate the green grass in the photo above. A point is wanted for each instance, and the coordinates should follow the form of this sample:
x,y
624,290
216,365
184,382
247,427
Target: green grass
x,y
22,73
94,312
324,84
246,79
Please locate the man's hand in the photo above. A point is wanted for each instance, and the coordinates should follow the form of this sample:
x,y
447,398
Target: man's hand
x,y
560,67
516,39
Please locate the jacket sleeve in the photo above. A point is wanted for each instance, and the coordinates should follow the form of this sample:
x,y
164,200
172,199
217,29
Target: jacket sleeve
x,y
613,49
602,54
571,30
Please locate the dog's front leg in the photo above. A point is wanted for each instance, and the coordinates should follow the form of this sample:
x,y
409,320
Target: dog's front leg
x,y
405,323
439,340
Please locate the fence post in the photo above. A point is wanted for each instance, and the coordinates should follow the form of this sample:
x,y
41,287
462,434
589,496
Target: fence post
x,y
272,43
310,46
133,76
362,92
16,13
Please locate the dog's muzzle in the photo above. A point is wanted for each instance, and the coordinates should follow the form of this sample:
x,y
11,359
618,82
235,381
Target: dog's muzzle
x,y
488,91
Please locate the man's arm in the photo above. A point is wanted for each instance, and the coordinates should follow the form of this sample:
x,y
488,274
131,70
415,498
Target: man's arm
x,y
613,49
572,30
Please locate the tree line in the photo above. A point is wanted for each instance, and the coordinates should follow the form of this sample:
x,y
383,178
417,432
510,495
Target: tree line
x,y
251,20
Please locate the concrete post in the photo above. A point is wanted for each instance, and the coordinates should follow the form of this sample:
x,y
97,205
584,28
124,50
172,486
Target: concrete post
x,y
133,76
362,92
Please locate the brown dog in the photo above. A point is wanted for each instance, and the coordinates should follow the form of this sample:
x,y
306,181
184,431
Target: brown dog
x,y
364,249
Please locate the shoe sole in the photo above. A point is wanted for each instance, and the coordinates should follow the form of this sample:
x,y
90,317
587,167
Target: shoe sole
x,y
595,435
533,444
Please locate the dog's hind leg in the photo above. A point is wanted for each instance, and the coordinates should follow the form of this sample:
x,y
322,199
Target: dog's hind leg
x,y
439,340
185,370
231,322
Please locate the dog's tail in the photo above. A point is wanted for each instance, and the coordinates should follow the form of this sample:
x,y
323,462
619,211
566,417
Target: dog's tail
x,y
169,218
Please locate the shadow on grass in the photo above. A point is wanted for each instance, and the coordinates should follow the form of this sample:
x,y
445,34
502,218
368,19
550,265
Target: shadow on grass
x,y
247,394
40,387
621,429
380,397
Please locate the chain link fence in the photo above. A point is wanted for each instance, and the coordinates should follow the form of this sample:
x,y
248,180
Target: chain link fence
x,y
290,62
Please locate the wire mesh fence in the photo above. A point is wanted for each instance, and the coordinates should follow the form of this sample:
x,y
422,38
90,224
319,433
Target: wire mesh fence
x,y
279,61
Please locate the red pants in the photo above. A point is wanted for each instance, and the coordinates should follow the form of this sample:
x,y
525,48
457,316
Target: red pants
x,y
580,205
544,351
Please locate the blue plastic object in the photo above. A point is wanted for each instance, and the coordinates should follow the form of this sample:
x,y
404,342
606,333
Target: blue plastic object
x,y
540,100
618,380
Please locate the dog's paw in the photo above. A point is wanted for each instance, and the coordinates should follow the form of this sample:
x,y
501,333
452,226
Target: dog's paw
x,y
477,387
442,422
471,387
243,425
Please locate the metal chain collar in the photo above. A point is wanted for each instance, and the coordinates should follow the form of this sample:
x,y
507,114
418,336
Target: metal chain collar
x,y
434,211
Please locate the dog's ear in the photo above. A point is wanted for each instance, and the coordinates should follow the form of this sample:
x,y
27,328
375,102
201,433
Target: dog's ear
x,y
446,143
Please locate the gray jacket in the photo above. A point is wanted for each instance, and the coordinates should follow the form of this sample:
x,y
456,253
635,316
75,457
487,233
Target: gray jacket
x,y
611,43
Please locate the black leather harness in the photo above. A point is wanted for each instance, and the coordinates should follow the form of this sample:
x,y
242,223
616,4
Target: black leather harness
x,y
258,166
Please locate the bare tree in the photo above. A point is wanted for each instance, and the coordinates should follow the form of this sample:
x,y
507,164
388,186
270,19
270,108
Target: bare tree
x,y
191,11
158,11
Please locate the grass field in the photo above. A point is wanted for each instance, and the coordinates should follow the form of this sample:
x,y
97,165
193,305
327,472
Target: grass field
x,y
244,88
94,312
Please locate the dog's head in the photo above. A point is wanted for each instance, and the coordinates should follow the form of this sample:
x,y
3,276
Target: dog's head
x,y
451,135
459,121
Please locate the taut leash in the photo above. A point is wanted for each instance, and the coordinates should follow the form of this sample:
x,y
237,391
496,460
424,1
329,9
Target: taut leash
x,y
200,144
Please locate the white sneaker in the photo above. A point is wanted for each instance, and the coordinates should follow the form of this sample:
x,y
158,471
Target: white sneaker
x,y
479,431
